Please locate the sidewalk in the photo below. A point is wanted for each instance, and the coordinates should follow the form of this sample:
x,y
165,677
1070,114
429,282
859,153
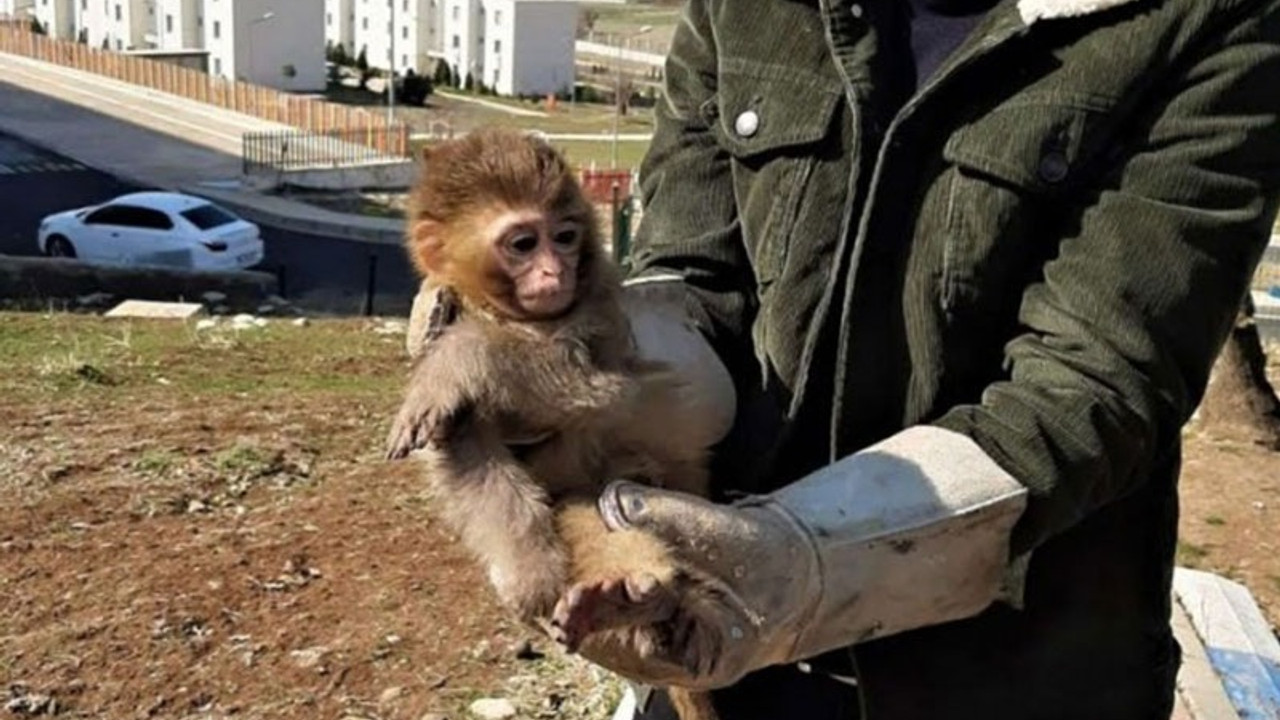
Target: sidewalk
x,y
157,140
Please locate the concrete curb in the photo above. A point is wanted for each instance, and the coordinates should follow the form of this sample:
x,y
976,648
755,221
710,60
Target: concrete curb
x,y
285,214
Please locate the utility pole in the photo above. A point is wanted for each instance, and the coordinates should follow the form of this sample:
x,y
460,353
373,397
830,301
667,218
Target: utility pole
x,y
391,73
617,88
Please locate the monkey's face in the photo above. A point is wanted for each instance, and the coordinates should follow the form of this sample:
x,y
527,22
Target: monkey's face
x,y
538,254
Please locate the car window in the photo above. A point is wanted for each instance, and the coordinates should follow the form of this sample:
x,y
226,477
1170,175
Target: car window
x,y
108,215
151,219
205,217
130,216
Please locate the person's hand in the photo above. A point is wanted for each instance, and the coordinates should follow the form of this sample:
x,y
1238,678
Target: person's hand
x,y
911,532
750,582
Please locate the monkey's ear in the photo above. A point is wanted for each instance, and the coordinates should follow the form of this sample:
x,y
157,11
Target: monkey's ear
x,y
428,244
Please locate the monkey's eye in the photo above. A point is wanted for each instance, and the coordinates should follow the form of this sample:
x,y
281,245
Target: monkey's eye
x,y
568,236
524,243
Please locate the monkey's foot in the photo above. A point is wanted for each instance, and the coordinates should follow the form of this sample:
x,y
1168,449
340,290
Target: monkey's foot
x,y
630,601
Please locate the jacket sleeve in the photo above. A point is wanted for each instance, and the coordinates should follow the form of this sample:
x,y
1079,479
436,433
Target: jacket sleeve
x,y
1121,330
690,227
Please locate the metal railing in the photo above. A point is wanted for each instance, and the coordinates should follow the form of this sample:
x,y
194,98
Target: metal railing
x,y
276,150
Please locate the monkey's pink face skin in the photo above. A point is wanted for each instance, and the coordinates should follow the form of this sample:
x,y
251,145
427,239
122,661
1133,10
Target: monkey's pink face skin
x,y
539,253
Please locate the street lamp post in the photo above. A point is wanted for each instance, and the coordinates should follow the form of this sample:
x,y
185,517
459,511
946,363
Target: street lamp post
x,y
252,23
617,88
391,72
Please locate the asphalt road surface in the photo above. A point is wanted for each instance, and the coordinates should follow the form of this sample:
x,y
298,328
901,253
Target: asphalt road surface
x,y
319,274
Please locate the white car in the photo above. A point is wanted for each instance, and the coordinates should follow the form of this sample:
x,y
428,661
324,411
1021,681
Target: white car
x,y
153,229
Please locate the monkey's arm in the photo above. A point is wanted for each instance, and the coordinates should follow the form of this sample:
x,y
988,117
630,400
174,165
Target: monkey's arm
x,y
502,516
690,231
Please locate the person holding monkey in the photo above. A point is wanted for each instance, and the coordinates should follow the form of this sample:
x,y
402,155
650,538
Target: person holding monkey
x,y
969,263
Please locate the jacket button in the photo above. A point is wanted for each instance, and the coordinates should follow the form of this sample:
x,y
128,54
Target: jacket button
x,y
747,123
1053,166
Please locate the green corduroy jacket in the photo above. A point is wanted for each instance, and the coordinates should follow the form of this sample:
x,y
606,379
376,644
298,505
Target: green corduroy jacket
x,y
1043,249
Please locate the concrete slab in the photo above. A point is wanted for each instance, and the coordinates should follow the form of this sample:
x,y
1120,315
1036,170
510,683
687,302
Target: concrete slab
x,y
1238,645
154,309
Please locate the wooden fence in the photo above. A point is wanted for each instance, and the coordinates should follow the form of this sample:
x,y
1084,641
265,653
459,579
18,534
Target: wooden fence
x,y
266,103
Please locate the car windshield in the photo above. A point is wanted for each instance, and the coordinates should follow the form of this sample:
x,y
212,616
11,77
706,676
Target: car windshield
x,y
208,216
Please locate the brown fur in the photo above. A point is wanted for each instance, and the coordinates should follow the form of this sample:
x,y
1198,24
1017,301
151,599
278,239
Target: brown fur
x,y
521,422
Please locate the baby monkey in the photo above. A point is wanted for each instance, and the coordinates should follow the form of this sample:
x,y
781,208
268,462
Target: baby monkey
x,y
529,394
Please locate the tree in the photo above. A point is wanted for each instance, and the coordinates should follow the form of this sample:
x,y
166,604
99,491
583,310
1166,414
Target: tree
x,y
340,54
414,89
1239,402
443,75
587,22
362,66
470,83
37,28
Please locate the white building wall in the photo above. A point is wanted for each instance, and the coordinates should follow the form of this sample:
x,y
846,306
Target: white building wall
x,y
176,25
372,32
127,23
57,17
463,37
416,33
255,40
17,9
339,24
541,59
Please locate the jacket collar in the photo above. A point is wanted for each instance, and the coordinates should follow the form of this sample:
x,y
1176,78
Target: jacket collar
x,y
1033,10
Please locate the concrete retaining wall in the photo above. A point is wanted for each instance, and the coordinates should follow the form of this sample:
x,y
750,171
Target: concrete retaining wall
x,y
36,282
382,176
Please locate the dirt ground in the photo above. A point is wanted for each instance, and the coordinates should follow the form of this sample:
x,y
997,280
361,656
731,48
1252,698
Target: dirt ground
x,y
198,523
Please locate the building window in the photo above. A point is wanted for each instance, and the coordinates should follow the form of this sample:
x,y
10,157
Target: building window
x,y
406,5
168,23
404,60
84,4
217,29
497,46
457,13
217,66
119,13
497,18
495,78
364,23
328,19
456,41
404,32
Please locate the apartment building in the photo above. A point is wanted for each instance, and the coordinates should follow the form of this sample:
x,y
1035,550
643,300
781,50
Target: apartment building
x,y
178,25
415,33
276,43
57,17
528,46
17,9
513,46
339,24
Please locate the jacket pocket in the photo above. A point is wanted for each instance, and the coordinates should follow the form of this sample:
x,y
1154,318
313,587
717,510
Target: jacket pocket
x,y
1012,174
769,121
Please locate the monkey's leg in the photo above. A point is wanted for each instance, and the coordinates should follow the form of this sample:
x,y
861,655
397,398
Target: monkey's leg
x,y
616,579
623,584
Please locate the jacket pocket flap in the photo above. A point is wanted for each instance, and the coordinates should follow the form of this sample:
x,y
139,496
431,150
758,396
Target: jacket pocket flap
x,y
1032,143
760,111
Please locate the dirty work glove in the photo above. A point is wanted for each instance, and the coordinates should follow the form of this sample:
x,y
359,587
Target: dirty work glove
x,y
910,532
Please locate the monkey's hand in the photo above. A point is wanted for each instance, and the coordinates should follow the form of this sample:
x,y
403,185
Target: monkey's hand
x,y
425,417
911,532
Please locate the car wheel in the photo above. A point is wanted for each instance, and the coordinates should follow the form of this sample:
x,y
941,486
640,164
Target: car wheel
x,y
59,246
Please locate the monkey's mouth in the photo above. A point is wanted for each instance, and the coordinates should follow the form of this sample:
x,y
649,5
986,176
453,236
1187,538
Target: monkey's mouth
x,y
547,302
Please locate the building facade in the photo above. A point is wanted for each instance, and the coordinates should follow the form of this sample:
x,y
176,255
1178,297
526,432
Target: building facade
x,y
275,43
17,9
339,24
57,17
397,34
528,46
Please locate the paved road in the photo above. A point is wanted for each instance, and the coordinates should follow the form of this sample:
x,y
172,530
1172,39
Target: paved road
x,y
320,274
